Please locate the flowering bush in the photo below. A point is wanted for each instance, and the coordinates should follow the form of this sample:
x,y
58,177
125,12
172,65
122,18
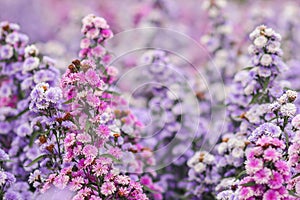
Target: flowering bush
x,y
74,133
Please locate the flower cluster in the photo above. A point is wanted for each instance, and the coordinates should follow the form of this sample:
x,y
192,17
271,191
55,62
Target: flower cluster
x,y
77,137
267,171
22,68
96,31
203,175
103,144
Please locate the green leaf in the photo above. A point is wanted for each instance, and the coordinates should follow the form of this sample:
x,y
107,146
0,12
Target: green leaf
x,y
255,98
87,126
252,183
107,155
69,101
17,116
36,160
292,193
149,189
248,68
241,174
266,83
33,137
296,175
113,92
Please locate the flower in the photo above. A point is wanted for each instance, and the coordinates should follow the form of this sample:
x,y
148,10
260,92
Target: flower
x,y
30,63
266,60
108,188
90,151
292,95
260,41
268,129
288,109
296,121
6,51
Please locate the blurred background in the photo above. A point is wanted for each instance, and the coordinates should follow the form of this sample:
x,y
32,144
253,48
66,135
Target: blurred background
x,y
55,25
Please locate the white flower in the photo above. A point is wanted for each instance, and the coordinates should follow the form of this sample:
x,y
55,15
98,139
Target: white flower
x,y
288,109
236,143
31,50
222,148
273,47
252,49
3,177
283,99
269,32
36,175
266,60
237,152
296,121
260,41
200,167
208,158
249,89
292,95
254,34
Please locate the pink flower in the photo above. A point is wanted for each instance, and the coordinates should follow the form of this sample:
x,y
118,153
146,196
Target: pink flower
x,y
76,183
112,71
100,168
146,180
90,151
92,33
123,192
98,51
85,43
253,165
282,167
107,33
84,138
276,181
256,151
61,181
123,180
271,154
245,193
262,176
93,197
116,152
270,195
92,77
108,188
103,131
100,22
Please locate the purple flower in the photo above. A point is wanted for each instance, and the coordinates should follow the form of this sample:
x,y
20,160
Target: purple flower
x,y
24,130
30,63
53,95
12,195
5,127
6,51
3,155
267,129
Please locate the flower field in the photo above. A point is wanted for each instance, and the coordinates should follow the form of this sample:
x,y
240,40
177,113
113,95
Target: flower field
x,y
149,100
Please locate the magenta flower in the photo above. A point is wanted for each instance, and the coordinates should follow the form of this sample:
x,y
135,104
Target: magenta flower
x,y
108,188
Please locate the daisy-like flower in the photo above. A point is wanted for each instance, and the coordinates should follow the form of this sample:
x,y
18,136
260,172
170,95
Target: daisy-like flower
x,y
3,177
260,41
266,60
6,51
108,188
30,63
288,109
268,182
